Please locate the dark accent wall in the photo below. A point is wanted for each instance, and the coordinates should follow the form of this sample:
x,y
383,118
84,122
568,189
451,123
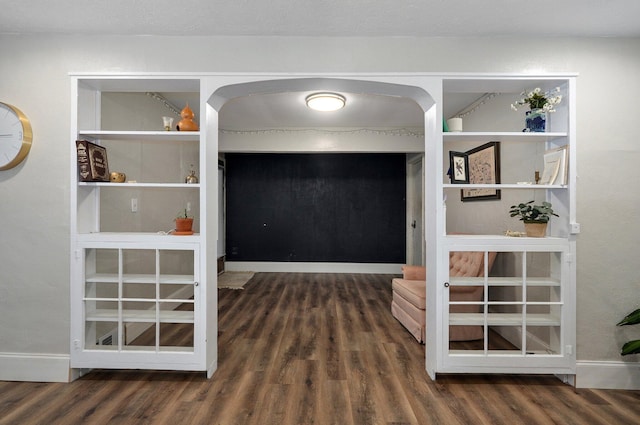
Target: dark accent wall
x,y
316,207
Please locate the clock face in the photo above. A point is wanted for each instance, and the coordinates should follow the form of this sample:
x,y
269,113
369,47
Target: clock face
x,y
15,136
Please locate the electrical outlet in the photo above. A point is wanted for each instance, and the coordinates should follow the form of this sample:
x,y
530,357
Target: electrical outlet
x,y
134,205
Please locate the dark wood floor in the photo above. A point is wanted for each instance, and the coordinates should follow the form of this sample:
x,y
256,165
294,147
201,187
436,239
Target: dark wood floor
x,y
312,349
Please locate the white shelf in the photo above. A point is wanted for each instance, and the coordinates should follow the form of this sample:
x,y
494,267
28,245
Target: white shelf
x,y
141,278
145,136
502,83
155,257
166,301
142,237
152,185
505,186
146,316
503,281
141,82
503,319
140,349
550,299
502,243
505,136
503,353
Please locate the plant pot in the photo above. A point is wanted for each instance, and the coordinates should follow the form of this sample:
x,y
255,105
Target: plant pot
x,y
184,226
535,230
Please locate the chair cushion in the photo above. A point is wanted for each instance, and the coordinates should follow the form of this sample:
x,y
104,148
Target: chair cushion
x,y
411,290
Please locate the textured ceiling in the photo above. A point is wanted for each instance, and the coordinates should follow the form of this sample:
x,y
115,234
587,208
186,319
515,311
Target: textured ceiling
x,y
429,18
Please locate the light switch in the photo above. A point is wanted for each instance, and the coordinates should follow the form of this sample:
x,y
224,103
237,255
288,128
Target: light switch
x,y
134,205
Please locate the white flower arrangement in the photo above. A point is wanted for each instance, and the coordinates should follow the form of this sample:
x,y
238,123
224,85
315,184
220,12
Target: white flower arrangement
x,y
537,99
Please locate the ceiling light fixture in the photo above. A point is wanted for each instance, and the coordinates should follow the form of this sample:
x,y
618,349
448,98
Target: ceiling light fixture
x,y
325,101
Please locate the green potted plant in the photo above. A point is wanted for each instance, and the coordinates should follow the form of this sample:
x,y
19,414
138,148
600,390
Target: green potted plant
x,y
633,346
184,223
535,217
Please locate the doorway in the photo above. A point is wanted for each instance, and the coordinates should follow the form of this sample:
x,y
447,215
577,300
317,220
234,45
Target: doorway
x,y
411,88
415,210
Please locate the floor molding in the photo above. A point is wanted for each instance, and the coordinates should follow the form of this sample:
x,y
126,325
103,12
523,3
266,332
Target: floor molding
x,y
295,267
34,367
608,375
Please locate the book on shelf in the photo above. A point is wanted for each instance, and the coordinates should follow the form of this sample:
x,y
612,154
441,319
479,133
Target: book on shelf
x,y
93,165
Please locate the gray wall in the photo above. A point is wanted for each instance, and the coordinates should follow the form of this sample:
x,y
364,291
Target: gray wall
x,y
34,247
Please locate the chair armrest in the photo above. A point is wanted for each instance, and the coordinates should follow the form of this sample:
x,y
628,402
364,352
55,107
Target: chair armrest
x,y
414,272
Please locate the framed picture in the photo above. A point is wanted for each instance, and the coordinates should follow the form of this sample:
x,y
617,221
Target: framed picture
x,y
555,167
458,167
484,168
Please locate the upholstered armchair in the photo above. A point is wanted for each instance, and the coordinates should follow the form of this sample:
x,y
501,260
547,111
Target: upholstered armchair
x,y
409,295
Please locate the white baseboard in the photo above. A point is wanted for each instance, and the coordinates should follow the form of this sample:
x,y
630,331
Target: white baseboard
x,y
295,267
608,375
35,367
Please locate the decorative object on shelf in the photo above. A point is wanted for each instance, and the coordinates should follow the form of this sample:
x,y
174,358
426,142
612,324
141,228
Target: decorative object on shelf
x,y
117,177
633,346
535,121
184,223
475,105
93,165
535,230
187,123
458,167
540,103
167,122
455,124
191,178
535,217
15,136
514,234
555,166
484,168
165,102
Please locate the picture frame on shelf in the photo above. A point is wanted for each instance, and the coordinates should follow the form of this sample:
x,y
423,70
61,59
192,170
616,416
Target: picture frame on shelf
x,y
484,168
458,167
555,167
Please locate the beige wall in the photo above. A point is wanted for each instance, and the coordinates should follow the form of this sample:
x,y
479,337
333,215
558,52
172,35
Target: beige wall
x,y
34,244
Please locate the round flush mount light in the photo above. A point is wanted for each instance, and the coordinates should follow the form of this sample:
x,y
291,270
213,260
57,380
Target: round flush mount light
x,y
325,101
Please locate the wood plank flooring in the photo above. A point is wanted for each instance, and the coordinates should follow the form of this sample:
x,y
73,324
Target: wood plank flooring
x,y
299,349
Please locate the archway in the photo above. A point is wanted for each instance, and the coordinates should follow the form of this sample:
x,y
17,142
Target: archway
x,y
227,88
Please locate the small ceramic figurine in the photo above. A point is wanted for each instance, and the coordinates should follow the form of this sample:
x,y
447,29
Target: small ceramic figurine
x,y
187,123
116,177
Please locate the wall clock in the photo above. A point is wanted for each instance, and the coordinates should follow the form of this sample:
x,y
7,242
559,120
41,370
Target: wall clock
x,y
15,136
